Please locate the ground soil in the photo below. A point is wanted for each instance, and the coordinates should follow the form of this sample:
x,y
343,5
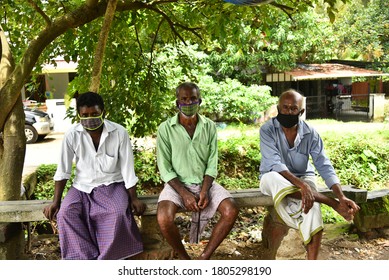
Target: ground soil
x,y
340,242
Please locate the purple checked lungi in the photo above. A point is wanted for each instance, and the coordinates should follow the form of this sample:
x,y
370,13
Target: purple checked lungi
x,y
98,225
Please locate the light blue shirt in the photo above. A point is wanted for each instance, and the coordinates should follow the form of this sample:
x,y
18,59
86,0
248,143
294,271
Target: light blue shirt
x,y
278,156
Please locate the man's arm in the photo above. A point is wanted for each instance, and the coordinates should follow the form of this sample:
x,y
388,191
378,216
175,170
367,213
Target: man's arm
x,y
206,185
347,207
271,159
62,175
211,171
164,155
51,210
137,206
126,157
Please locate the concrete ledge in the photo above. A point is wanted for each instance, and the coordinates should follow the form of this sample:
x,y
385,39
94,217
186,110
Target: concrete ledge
x,y
31,210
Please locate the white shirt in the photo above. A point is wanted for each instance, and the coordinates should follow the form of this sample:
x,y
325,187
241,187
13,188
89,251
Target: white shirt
x,y
112,162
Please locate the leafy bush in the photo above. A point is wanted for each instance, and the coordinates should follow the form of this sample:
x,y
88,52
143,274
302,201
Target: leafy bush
x,y
330,216
146,169
45,183
239,160
360,159
230,101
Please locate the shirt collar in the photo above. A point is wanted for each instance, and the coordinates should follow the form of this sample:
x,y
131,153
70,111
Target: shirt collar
x,y
174,119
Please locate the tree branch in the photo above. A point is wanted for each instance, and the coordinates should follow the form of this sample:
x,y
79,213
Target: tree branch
x,y
6,67
100,47
151,50
40,11
78,17
173,25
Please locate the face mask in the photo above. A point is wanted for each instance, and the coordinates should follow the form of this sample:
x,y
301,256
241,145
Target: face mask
x,y
92,123
189,109
288,121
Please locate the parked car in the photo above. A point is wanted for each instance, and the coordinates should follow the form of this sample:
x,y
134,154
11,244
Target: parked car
x,y
38,124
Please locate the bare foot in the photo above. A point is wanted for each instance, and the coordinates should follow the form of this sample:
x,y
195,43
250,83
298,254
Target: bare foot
x,y
345,211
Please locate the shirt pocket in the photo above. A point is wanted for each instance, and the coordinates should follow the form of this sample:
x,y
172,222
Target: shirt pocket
x,y
108,163
202,151
299,162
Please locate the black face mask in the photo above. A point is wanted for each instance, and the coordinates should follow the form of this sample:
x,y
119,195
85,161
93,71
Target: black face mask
x,y
288,121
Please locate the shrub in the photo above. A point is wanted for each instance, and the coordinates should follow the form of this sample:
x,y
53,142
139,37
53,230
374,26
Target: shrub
x,y
45,182
360,159
230,101
239,160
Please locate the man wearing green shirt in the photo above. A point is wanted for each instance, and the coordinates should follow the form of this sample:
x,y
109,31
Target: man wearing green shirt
x,y
187,162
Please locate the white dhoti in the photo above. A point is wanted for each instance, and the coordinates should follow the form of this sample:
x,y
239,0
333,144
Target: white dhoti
x,y
289,209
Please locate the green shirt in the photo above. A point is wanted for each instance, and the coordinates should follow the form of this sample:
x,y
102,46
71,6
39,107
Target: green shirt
x,y
187,159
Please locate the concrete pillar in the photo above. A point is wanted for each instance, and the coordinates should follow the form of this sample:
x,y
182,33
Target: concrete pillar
x,y
377,105
154,245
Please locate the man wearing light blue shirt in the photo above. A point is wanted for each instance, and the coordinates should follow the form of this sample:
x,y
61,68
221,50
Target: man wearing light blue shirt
x,y
286,144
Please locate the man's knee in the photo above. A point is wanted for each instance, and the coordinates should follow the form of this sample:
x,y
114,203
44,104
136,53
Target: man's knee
x,y
271,177
65,212
165,214
228,209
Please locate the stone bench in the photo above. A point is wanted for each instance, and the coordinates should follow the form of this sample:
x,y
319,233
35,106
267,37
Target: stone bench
x,y
155,247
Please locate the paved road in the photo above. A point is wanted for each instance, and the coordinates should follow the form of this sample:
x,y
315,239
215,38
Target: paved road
x,y
43,152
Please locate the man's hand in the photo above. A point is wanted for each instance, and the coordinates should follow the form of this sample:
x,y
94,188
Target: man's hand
x,y
307,197
51,211
190,201
203,200
137,206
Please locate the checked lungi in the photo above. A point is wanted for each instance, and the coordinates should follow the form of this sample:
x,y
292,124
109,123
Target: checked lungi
x,y
289,209
200,219
98,225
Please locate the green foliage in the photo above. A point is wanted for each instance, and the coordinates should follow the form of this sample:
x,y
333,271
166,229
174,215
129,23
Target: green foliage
x,y
363,30
239,160
231,101
360,159
145,166
330,216
45,183
146,54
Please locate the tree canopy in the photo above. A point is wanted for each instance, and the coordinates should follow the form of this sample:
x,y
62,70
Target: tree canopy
x,y
271,35
145,38
363,31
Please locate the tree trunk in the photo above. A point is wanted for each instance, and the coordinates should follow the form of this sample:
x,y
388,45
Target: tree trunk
x,y
100,47
12,151
13,141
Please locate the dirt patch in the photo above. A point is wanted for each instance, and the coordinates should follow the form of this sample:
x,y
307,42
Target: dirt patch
x,y
340,242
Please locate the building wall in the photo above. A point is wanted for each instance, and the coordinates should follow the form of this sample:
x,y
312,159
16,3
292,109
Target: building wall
x,y
57,84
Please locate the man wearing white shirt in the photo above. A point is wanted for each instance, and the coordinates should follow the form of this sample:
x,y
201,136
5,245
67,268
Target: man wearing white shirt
x,y
95,219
